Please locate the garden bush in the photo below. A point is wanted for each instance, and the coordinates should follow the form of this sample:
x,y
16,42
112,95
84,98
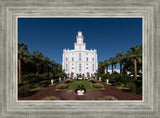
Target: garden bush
x,y
92,81
44,83
139,87
132,88
23,90
29,78
98,85
43,76
68,81
62,86
50,98
36,89
35,85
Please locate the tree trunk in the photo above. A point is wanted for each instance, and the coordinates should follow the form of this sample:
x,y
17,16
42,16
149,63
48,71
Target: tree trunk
x,y
120,68
19,71
135,69
107,69
112,68
47,71
37,68
52,68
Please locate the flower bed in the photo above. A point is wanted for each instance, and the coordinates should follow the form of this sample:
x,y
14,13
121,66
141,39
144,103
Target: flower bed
x,y
62,86
68,81
80,88
92,81
98,86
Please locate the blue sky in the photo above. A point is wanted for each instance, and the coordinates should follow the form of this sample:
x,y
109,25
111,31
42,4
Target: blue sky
x,y
108,35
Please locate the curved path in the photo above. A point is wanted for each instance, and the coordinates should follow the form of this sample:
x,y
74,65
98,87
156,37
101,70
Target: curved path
x,y
91,94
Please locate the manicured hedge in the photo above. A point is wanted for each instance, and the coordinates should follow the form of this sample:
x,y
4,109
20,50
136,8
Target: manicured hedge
x,y
98,85
62,86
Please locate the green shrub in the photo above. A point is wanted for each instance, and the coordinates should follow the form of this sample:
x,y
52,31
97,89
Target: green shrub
x,y
44,83
92,81
29,78
62,86
120,87
132,88
23,90
109,84
107,98
98,85
139,87
36,89
43,76
35,85
68,81
50,98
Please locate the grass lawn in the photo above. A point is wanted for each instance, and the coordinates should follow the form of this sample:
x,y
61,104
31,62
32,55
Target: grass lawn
x,y
75,83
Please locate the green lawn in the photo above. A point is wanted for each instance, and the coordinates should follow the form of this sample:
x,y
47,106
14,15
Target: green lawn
x,y
75,83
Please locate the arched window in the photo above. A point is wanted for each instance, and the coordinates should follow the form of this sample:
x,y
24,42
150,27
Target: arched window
x,y
87,59
92,67
79,67
79,56
66,67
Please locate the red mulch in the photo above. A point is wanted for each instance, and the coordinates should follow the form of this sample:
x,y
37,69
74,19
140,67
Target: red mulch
x,y
91,94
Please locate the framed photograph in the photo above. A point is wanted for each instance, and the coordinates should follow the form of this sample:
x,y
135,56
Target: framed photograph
x,y
80,73
79,59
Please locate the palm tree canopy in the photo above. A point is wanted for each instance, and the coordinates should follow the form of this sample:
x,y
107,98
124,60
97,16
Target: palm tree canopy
x,y
22,50
37,56
46,60
120,56
107,62
112,60
135,52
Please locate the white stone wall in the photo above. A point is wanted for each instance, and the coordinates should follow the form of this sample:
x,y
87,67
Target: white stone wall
x,y
73,59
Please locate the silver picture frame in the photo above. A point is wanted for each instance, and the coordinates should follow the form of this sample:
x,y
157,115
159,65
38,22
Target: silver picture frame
x,y
11,10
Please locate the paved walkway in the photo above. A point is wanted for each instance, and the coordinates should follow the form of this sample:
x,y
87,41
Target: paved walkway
x,y
89,95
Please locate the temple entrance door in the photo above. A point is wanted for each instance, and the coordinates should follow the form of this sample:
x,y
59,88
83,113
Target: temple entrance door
x,y
88,75
72,73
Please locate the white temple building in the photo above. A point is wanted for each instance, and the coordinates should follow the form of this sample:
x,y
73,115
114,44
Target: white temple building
x,y
80,61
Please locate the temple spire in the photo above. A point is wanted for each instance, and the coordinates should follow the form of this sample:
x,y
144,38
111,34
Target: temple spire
x,y
80,37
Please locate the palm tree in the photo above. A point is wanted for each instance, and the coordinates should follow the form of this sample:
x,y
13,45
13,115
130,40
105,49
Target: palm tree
x,y
22,54
45,62
37,59
107,64
113,62
135,55
101,68
120,57
52,62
